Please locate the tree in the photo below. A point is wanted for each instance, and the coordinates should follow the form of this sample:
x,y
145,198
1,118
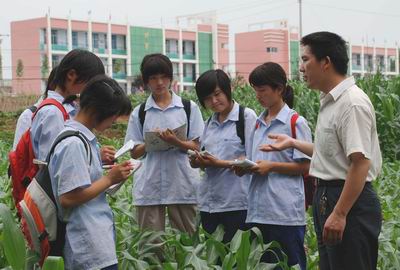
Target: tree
x,y
45,66
20,68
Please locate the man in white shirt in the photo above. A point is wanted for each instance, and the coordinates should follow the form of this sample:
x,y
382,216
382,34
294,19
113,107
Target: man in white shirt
x,y
346,157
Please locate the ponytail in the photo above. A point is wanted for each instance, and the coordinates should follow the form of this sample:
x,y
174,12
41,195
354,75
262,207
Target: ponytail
x,y
288,96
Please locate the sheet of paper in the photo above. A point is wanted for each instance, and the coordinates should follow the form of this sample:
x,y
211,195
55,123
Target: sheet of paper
x,y
125,148
114,188
154,143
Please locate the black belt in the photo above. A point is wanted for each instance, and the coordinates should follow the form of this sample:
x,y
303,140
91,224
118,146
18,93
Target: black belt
x,y
330,183
333,183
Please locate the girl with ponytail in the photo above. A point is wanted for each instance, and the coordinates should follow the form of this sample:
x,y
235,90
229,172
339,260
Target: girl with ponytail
x,y
276,203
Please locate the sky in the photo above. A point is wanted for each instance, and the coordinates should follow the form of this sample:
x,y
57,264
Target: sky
x,y
356,20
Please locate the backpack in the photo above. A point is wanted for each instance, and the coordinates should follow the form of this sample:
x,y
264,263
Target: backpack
x,y
186,107
33,108
309,181
239,124
43,230
22,169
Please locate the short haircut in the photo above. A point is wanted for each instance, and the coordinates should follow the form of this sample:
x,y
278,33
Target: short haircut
x,y
273,75
209,81
86,65
104,98
327,44
156,63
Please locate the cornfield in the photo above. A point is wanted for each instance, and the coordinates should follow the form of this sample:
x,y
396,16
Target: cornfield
x,y
137,249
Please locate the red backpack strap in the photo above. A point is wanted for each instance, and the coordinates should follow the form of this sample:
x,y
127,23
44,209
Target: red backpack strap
x,y
52,101
293,120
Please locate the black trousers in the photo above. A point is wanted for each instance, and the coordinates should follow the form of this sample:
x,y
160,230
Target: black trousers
x,y
231,220
358,249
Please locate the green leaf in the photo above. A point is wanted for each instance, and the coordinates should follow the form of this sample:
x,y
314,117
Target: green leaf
x,y
170,266
243,251
53,263
13,240
229,261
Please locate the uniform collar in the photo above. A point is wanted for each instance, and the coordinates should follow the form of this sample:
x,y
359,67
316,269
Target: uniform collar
x,y
232,116
82,128
68,107
176,101
282,116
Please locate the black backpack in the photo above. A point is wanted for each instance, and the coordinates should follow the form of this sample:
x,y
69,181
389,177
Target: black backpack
x,y
186,107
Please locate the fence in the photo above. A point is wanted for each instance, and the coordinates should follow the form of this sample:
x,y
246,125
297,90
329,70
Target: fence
x,y
9,103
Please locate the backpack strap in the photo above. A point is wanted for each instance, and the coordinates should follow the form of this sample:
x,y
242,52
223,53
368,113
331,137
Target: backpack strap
x,y
70,133
33,108
52,101
293,120
186,106
142,113
240,125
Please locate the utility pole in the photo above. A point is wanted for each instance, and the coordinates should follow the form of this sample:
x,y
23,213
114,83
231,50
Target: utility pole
x,y
1,58
300,20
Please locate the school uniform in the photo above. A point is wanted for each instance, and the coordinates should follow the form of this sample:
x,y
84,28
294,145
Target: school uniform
x,y
24,123
222,194
276,202
46,125
166,177
90,234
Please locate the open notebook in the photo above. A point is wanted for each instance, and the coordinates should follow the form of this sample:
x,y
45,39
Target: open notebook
x,y
114,188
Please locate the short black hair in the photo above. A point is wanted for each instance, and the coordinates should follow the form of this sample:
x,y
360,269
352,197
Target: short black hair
x,y
273,75
86,65
327,44
104,98
156,63
209,81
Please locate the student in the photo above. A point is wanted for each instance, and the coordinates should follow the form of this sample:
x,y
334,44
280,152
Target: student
x,y
74,71
165,181
276,194
346,158
78,182
222,194
25,119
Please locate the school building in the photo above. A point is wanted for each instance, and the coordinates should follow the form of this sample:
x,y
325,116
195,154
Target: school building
x,y
277,42
39,44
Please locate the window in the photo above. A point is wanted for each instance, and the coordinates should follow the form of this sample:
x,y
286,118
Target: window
x,y
56,59
43,38
188,48
175,67
189,72
95,41
356,61
392,63
171,47
272,49
99,41
118,42
368,62
54,39
74,39
380,62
